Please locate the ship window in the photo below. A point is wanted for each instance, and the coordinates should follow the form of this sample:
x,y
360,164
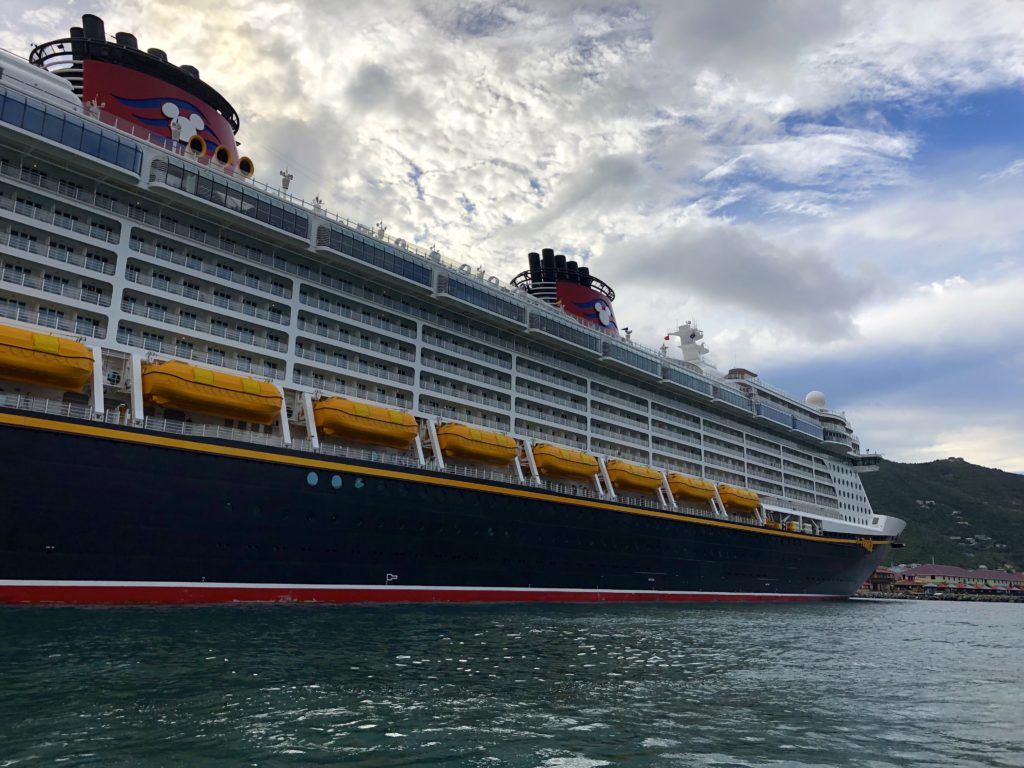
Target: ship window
x,y
72,135
33,120
13,111
90,141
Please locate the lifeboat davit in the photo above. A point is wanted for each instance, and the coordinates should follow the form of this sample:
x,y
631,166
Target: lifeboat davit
x,y
459,441
738,500
40,358
554,461
687,488
374,424
178,385
626,476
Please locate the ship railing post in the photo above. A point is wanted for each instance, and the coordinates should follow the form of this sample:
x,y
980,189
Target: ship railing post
x,y
307,409
435,444
98,406
519,470
138,414
667,490
717,505
286,429
607,479
419,452
531,461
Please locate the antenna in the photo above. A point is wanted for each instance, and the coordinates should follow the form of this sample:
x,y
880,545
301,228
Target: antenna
x,y
286,178
318,203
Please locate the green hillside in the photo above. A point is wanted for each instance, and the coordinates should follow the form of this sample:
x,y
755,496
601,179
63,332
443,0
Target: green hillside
x,y
957,513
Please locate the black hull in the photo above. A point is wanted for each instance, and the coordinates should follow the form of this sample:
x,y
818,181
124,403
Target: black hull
x,y
95,513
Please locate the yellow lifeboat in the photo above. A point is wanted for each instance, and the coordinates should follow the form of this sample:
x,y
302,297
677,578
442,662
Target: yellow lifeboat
x,y
687,488
459,441
626,476
738,500
374,424
562,462
39,358
178,385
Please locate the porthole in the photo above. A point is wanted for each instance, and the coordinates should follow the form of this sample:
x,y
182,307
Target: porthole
x,y
336,482
312,478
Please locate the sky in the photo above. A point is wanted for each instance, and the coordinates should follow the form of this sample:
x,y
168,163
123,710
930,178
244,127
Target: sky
x,y
833,192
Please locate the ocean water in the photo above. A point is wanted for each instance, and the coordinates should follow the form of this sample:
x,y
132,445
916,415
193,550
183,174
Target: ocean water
x,y
864,683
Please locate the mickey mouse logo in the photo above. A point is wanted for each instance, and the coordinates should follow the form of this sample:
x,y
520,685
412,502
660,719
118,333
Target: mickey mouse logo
x,y
182,128
604,312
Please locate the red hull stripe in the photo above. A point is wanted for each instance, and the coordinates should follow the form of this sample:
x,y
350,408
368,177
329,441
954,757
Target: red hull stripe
x,y
114,593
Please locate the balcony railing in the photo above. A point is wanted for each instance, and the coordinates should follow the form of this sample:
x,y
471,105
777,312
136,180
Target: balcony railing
x,y
169,318
335,362
359,317
354,341
437,365
177,289
57,287
65,255
58,220
48,319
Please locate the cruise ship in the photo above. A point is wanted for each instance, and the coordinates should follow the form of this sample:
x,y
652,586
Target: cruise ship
x,y
212,391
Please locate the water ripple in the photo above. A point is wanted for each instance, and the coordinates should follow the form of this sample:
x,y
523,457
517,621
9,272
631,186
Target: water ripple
x,y
854,684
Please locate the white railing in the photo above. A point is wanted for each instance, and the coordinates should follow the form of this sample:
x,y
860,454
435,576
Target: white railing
x,y
65,255
436,341
185,352
177,289
57,219
55,286
349,340
460,415
365,393
549,379
48,319
429,362
199,265
169,318
365,319
337,362
536,394
487,402
630,419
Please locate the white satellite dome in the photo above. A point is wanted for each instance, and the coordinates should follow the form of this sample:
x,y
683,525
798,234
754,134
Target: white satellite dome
x,y
815,399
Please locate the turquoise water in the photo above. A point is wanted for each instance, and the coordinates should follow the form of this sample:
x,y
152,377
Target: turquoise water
x,y
863,683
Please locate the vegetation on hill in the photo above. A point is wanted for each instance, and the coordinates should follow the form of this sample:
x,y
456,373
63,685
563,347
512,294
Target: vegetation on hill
x,y
957,513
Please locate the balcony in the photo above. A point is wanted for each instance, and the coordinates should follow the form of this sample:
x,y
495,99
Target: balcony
x,y
340,363
58,220
185,353
47,319
169,318
458,394
355,342
359,393
64,255
57,287
464,351
548,379
176,289
549,397
490,381
359,317
198,265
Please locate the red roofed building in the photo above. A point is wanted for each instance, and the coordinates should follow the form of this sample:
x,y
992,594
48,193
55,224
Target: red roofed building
x,y
952,577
